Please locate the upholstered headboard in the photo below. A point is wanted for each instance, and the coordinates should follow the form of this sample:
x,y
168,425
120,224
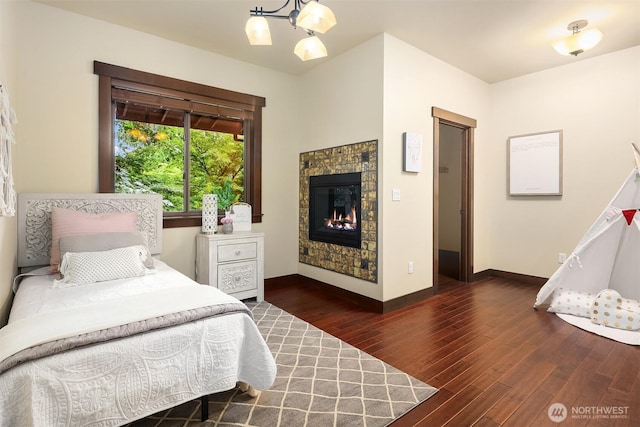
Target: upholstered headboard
x,y
34,219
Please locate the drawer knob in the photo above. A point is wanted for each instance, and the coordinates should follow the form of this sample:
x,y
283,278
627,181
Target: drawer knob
x,y
237,251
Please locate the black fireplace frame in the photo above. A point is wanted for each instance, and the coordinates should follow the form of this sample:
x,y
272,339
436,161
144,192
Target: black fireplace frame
x,y
338,237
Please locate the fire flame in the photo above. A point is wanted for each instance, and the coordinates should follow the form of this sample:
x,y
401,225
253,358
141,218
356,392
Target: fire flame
x,y
348,222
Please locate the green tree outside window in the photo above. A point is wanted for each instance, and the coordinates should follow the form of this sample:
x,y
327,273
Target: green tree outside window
x,y
150,159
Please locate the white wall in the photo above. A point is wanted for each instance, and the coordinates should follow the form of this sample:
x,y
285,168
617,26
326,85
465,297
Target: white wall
x,y
343,105
379,90
8,237
414,82
56,100
596,103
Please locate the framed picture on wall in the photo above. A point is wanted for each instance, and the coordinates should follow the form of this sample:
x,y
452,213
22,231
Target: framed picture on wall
x,y
535,164
412,148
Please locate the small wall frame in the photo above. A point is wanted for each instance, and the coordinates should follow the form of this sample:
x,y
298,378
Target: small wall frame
x,y
535,164
412,150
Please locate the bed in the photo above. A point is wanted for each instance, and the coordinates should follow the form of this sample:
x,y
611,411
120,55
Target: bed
x,y
94,343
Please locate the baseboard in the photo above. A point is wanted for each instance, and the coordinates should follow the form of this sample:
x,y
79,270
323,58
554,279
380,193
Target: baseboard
x,y
406,300
521,278
481,275
376,306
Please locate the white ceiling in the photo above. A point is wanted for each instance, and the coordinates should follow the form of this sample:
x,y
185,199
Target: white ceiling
x,y
490,39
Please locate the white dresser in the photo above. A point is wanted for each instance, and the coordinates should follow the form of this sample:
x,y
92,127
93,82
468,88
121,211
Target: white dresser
x,y
234,263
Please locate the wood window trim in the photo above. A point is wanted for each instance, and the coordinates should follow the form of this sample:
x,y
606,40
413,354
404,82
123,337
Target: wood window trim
x,y
111,76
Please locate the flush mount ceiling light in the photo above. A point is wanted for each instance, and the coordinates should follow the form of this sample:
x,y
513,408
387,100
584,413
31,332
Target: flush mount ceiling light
x,y
309,15
578,41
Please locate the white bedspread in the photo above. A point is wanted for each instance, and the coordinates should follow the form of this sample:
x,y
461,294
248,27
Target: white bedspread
x,y
118,381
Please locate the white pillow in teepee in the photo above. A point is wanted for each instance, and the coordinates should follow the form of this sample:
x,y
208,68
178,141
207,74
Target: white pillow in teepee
x,y
610,309
570,301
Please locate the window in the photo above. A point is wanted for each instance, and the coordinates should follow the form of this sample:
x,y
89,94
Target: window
x,y
179,139
149,149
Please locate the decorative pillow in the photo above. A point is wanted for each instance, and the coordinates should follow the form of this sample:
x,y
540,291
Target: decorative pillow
x,y
67,222
79,268
98,242
610,309
569,301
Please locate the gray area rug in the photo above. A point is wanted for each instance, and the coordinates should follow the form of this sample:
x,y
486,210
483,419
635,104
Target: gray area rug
x,y
321,381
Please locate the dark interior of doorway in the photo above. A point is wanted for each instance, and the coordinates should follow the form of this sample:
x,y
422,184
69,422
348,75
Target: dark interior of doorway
x,y
450,161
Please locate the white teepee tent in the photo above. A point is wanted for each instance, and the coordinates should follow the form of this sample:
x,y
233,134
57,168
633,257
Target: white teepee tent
x,y
607,257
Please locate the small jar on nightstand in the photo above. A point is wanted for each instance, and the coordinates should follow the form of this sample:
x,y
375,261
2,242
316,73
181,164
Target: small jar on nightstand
x,y
233,263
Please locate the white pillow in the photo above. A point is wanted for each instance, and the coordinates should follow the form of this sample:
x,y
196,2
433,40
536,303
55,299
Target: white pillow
x,y
98,242
569,301
79,268
610,309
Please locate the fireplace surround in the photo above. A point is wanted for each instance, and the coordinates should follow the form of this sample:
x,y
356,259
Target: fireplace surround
x,y
358,259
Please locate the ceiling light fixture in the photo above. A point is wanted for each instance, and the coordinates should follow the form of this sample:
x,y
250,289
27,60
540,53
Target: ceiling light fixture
x,y
578,41
309,15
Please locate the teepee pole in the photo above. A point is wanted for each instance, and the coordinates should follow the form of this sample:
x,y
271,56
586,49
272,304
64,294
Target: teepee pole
x,y
636,154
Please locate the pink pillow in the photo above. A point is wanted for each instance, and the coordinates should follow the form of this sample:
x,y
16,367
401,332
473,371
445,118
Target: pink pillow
x,y
67,222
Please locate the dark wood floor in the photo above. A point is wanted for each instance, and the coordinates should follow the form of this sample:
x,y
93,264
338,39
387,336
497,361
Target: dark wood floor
x,y
494,359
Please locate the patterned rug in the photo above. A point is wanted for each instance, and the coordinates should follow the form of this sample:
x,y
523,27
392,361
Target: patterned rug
x,y
321,381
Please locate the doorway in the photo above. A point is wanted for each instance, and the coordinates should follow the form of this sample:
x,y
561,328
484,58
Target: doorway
x,y
452,196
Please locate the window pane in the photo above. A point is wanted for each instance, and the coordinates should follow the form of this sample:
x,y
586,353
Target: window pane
x,y
149,158
216,157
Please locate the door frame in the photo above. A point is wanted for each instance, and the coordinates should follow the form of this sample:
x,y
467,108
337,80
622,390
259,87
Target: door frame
x,y
468,125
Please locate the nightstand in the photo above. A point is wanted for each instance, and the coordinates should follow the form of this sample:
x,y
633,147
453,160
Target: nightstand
x,y
233,263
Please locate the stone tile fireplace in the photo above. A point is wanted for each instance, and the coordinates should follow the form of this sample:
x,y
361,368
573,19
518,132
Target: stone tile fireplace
x,y
339,209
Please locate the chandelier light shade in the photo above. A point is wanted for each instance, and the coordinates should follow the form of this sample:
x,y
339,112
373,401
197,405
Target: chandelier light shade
x,y
310,48
578,41
257,30
316,17
309,15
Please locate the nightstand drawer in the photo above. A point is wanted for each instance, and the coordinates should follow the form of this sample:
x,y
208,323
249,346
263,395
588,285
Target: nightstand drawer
x,y
237,252
237,277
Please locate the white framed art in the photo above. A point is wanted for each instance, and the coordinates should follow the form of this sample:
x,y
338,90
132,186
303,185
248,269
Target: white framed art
x,y
535,164
412,147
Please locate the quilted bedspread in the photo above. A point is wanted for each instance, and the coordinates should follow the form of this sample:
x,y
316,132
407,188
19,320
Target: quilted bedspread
x,y
159,360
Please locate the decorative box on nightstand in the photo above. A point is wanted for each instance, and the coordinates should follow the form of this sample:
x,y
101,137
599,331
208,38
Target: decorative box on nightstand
x,y
233,263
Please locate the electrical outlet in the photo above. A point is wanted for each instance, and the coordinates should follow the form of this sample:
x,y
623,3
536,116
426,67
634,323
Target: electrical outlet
x,y
562,257
410,267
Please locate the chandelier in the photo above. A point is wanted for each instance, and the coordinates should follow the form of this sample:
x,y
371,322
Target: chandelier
x,y
578,41
309,15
